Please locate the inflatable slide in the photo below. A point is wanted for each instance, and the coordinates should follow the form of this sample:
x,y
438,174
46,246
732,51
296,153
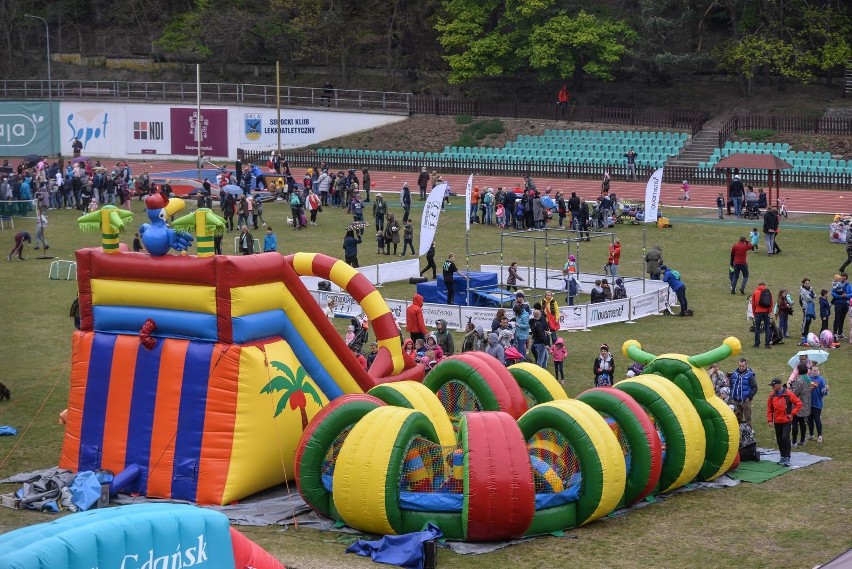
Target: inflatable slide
x,y
203,372
488,453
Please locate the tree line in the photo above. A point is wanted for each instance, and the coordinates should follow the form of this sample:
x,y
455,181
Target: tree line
x,y
425,44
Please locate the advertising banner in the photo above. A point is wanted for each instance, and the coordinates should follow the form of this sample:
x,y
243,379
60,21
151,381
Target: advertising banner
x,y
25,128
429,219
214,131
433,312
644,305
148,129
297,128
652,196
608,312
572,317
478,316
99,127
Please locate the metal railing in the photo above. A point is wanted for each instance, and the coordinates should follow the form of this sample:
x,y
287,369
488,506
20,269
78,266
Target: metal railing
x,y
211,93
537,168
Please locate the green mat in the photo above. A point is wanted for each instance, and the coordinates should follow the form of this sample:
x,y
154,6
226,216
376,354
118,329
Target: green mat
x,y
758,472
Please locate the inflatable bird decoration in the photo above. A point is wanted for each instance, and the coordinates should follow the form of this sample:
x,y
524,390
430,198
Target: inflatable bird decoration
x,y
156,236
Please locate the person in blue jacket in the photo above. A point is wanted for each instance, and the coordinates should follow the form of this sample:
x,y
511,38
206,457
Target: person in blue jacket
x,y
743,389
841,292
673,280
270,241
819,389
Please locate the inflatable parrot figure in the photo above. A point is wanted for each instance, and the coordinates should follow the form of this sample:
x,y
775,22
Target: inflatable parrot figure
x,y
156,236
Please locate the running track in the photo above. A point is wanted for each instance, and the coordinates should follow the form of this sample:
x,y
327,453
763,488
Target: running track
x,y
799,200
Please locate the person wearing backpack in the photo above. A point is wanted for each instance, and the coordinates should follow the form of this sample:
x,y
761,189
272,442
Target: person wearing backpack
x,y
296,210
672,278
781,407
761,306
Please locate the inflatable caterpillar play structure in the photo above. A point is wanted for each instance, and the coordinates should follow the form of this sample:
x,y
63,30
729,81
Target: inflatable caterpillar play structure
x,y
202,372
487,453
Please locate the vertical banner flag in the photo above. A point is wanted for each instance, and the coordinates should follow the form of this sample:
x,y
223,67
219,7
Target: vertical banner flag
x,y
429,221
467,194
652,196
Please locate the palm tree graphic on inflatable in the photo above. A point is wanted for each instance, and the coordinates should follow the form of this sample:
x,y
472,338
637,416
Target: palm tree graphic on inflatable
x,y
294,388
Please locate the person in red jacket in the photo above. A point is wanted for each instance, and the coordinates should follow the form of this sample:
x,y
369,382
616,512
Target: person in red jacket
x,y
562,100
761,306
739,264
781,407
414,322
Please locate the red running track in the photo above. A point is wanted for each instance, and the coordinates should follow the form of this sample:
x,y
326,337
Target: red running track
x,y
799,200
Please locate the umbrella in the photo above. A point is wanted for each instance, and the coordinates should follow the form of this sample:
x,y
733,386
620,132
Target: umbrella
x,y
232,189
818,356
33,158
547,201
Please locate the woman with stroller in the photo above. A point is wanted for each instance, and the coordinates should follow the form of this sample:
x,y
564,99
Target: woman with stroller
x,y
604,367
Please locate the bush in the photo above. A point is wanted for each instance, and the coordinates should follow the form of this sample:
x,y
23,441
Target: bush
x,y
480,129
465,139
464,119
758,135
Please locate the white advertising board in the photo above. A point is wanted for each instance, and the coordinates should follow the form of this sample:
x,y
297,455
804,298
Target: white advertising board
x,y
147,129
99,126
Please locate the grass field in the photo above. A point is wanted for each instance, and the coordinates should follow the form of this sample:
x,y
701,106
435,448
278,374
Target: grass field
x,y
797,520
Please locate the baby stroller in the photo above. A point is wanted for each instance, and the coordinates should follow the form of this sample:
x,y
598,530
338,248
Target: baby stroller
x,y
751,211
775,336
361,335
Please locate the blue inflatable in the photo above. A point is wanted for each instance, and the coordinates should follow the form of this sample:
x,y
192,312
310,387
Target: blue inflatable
x,y
144,536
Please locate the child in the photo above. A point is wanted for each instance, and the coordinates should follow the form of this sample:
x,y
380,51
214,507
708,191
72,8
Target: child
x,y
559,352
270,241
380,243
371,357
420,347
407,238
720,204
684,187
754,236
350,334
824,310
137,244
501,212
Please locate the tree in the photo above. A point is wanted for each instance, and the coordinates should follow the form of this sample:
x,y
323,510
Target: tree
x,y
294,387
491,38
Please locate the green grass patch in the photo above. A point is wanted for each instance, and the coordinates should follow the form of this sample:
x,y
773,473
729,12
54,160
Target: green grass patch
x,y
463,119
757,135
805,504
474,133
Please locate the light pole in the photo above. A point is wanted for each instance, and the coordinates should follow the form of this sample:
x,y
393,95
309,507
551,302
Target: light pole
x,y
49,83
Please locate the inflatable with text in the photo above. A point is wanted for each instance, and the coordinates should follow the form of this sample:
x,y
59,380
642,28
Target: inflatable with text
x,y
143,536
486,452
201,372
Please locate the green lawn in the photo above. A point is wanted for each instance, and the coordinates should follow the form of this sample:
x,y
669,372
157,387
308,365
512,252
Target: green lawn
x,y
797,520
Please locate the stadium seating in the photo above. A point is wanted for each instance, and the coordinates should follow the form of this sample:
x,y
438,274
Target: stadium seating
x,y
802,162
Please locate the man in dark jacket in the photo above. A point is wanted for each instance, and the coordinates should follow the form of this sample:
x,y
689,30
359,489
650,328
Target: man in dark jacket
x,y
574,207
540,334
509,207
770,228
422,182
781,407
583,220
736,191
743,389
406,202
246,241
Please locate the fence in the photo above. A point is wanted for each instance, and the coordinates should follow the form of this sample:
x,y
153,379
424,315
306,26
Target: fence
x,y
539,168
682,120
778,123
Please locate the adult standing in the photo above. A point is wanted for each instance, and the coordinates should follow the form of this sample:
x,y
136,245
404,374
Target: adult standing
x,y
819,390
848,251
800,385
422,182
551,313
366,183
228,210
604,367
327,93
736,191
761,307
781,406
323,182
562,99
314,204
76,147
414,321
807,300
743,389
448,271
574,208
614,257
380,209
841,292
391,234
430,262
631,165
296,209
246,241
583,220
653,262
540,339
739,264
770,229
350,248
406,202
444,338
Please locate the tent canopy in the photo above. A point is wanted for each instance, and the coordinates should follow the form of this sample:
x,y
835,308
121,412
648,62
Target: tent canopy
x,y
753,162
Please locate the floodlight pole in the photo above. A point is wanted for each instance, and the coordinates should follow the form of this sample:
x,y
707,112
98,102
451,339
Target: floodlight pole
x,y
278,102
198,137
49,80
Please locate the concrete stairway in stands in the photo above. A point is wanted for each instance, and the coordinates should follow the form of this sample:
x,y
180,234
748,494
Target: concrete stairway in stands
x,y
701,146
847,81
